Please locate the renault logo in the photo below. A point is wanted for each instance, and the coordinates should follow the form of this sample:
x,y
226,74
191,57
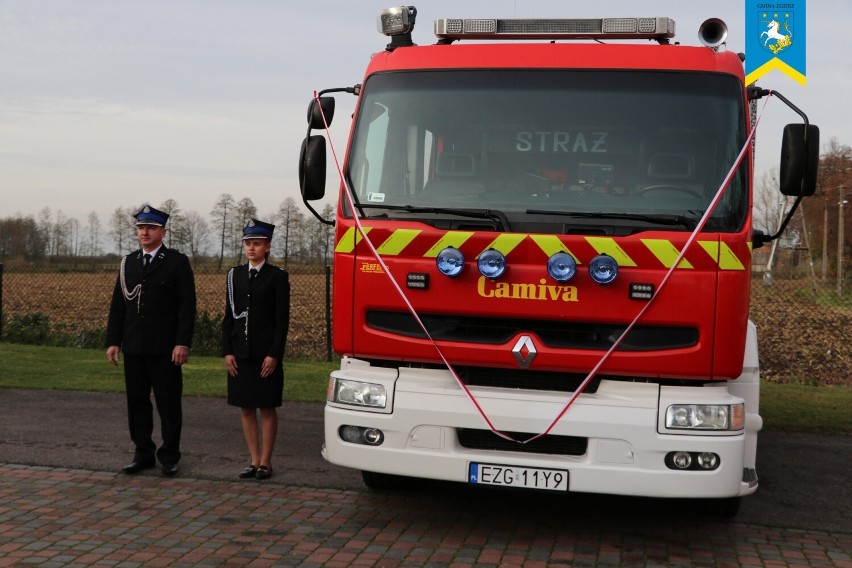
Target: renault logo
x,y
524,351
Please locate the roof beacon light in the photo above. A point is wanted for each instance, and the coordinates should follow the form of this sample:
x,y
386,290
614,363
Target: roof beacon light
x,y
491,263
397,21
561,266
450,262
603,269
660,29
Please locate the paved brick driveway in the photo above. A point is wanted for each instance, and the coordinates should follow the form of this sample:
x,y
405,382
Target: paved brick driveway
x,y
67,507
64,517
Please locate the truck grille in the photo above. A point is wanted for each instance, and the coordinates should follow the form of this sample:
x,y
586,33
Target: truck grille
x,y
553,333
526,379
555,445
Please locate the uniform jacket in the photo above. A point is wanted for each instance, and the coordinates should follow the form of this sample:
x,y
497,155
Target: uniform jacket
x,y
163,314
267,299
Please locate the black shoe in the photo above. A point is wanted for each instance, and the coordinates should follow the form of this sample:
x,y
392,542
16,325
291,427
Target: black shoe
x,y
170,469
248,472
263,472
136,466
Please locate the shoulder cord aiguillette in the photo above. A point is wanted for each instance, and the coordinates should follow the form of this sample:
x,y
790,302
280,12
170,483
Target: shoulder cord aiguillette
x,y
129,295
245,312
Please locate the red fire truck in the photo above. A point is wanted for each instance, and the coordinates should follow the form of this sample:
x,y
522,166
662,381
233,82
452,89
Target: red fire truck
x,y
542,258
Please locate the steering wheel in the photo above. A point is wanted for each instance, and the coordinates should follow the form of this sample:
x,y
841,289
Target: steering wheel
x,y
686,190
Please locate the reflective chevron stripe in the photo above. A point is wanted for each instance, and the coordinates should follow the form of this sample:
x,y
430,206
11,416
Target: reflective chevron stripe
x,y
450,239
551,244
397,241
506,242
666,252
628,252
607,245
349,239
723,255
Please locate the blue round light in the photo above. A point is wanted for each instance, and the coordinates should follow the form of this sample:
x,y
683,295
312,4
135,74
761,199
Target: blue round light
x,y
491,263
603,269
561,266
450,261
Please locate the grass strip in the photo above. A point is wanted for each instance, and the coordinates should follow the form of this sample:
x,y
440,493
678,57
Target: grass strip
x,y
784,407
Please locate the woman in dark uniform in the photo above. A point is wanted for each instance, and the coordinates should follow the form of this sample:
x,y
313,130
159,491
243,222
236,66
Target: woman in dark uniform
x,y
254,333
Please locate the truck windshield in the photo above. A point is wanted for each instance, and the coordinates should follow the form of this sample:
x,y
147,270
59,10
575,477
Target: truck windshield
x,y
544,146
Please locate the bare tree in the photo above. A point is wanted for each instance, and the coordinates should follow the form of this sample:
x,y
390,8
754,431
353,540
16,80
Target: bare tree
x,y
320,237
174,238
195,232
93,235
45,227
74,237
327,234
222,216
290,220
122,229
244,211
769,205
20,236
834,186
60,234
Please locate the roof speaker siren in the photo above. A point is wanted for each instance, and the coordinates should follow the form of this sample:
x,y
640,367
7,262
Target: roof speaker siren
x,y
713,33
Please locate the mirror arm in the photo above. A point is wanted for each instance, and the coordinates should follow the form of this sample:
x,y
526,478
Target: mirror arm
x,y
755,93
319,217
759,239
354,90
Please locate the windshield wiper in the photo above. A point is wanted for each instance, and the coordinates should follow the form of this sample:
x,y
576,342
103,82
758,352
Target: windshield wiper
x,y
657,218
498,216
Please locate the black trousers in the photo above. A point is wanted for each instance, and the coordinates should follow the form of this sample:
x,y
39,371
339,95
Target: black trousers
x,y
157,373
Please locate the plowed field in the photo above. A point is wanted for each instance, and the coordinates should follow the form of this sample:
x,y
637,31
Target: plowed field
x,y
82,301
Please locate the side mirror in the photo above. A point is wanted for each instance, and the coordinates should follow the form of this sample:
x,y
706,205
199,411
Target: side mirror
x,y
316,112
312,168
799,159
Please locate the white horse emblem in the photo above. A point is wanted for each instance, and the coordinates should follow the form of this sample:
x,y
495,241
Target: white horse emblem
x,y
772,33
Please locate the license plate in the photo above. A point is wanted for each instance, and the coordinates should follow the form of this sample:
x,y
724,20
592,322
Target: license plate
x,y
517,476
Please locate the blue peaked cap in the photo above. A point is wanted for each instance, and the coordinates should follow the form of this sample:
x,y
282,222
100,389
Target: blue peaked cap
x,y
150,216
258,230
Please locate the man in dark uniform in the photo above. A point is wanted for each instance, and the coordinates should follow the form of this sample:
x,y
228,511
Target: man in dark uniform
x,y
151,318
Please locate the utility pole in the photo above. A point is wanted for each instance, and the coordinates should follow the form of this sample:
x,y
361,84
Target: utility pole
x,y
840,202
824,239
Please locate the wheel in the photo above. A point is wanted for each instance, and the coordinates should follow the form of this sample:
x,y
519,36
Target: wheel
x,y
668,189
385,481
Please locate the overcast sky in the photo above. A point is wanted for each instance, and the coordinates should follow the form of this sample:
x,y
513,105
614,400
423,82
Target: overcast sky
x,y
111,103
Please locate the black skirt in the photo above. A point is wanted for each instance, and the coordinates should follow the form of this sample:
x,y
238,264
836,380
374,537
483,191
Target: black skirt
x,y
249,390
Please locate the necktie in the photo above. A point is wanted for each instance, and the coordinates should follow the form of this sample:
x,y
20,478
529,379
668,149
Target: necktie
x,y
146,260
252,273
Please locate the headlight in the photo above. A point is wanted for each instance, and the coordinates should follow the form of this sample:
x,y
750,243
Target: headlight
x,y
603,269
491,263
561,266
705,417
450,262
358,393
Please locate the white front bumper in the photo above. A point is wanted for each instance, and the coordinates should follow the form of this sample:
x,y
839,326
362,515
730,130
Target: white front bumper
x,y
625,452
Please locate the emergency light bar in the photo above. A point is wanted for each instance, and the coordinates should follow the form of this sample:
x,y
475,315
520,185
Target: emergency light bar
x,y
660,29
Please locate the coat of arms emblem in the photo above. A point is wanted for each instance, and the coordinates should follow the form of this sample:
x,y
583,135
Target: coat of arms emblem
x,y
777,34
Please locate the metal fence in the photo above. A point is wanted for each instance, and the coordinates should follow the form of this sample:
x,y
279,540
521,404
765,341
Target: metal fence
x,y
69,307
804,321
803,312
